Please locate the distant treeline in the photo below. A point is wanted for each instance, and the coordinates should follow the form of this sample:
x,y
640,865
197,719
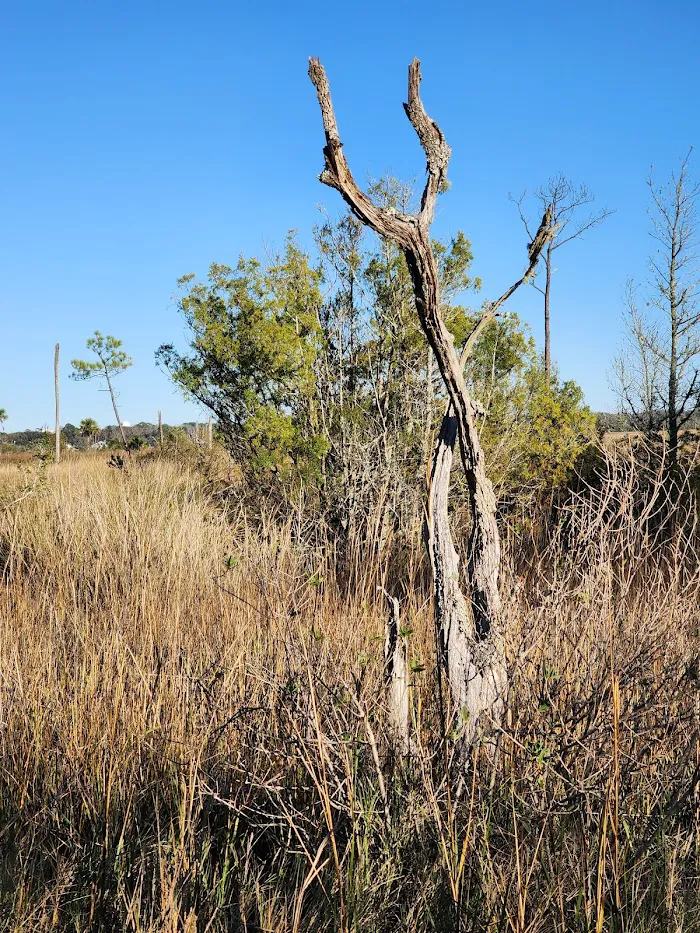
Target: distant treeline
x,y
606,422
73,437
617,422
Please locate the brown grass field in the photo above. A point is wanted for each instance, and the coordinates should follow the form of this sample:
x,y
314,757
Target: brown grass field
x,y
193,734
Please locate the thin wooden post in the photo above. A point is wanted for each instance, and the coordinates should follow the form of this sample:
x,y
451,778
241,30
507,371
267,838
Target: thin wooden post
x,y
58,415
160,426
210,434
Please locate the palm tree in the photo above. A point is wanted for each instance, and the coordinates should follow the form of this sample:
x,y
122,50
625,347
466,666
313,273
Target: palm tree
x,y
89,428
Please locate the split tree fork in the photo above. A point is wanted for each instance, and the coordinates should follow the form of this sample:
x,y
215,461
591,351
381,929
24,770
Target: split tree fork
x,y
412,234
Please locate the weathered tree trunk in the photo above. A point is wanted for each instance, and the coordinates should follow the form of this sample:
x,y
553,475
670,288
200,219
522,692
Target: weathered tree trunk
x,y
474,661
428,425
58,411
472,646
473,658
412,234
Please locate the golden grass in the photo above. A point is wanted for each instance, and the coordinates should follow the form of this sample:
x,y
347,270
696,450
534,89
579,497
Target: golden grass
x,y
192,730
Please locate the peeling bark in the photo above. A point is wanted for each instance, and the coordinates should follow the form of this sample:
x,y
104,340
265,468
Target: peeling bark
x,y
473,661
471,645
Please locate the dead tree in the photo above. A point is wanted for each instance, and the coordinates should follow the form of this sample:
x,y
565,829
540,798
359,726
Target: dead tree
x,y
412,234
473,659
676,286
564,199
637,372
658,372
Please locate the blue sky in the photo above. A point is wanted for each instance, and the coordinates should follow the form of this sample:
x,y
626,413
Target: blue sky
x,y
142,141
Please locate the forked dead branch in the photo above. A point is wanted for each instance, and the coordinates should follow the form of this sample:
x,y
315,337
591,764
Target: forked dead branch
x,y
470,645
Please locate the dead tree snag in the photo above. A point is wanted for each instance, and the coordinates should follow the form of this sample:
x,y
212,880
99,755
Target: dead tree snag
x,y
473,659
412,234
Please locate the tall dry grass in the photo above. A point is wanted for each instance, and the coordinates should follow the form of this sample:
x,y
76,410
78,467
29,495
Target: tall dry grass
x,y
193,734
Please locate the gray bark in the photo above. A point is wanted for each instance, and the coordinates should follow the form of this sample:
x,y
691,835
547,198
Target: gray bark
x,y
473,661
472,645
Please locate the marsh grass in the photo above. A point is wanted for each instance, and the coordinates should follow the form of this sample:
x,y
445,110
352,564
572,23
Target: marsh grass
x,y
193,734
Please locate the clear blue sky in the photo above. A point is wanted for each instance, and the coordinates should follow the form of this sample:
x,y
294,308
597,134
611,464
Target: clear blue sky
x,y
144,140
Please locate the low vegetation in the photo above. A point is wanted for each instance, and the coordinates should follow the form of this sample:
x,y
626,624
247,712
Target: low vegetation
x,y
193,717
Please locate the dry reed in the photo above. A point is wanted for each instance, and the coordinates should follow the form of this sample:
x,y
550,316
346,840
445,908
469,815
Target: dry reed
x,y
192,723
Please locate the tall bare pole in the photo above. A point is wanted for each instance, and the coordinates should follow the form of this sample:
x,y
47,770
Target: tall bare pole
x,y
58,416
210,434
160,427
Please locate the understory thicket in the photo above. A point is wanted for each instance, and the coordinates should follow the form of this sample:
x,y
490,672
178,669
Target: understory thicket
x,y
322,384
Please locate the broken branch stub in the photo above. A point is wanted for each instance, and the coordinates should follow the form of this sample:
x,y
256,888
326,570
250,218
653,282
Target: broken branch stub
x,y
396,677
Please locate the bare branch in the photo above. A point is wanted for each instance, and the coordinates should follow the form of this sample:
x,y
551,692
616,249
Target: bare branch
x,y
386,221
519,204
337,174
592,222
544,234
432,139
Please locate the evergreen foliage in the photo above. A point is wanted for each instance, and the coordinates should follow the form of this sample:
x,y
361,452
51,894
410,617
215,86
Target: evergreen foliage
x,y
318,373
